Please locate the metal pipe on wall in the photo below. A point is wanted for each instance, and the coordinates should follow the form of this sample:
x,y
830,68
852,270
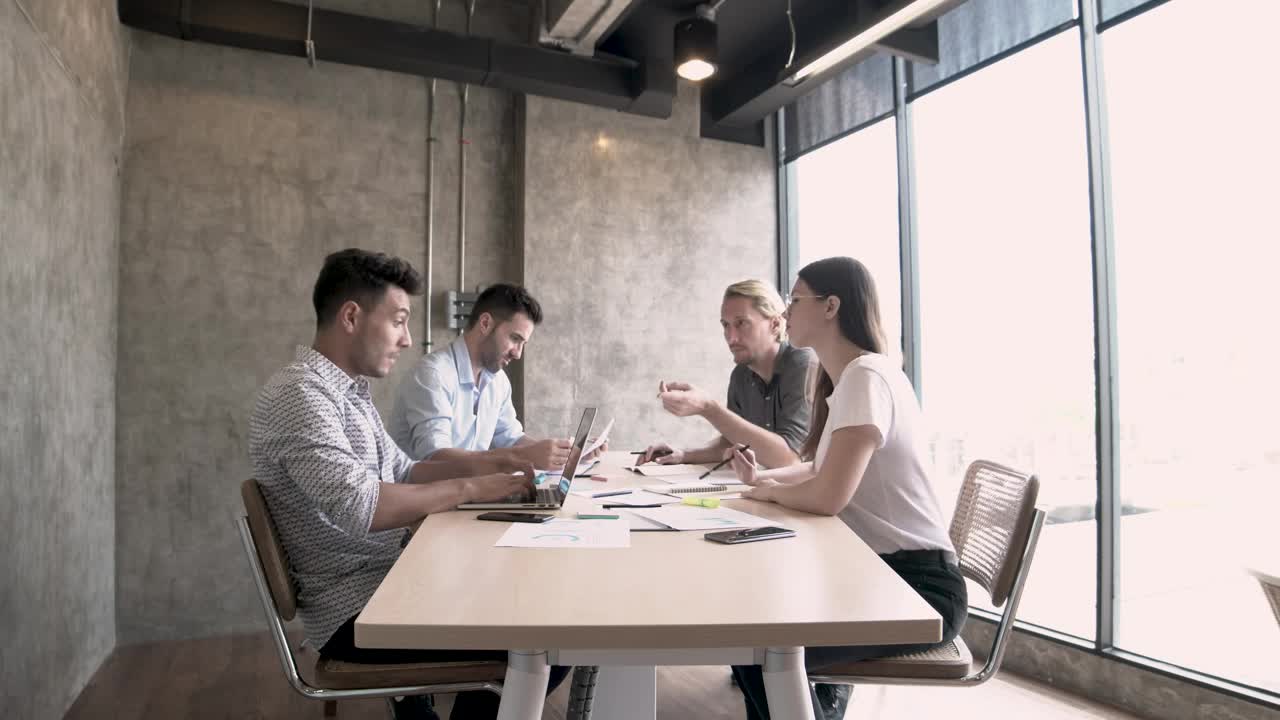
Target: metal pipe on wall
x,y
462,169
431,198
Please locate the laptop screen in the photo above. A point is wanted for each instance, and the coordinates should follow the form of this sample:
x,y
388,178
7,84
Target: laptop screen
x,y
575,453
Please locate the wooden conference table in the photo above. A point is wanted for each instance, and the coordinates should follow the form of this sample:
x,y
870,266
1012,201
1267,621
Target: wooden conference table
x,y
672,598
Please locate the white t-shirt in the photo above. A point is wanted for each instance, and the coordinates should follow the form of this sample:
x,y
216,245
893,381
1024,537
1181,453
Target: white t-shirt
x,y
894,507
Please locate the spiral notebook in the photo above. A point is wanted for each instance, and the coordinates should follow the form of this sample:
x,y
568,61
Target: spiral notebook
x,y
691,488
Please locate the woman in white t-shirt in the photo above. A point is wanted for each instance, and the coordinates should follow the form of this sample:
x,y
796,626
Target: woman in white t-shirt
x,y
863,461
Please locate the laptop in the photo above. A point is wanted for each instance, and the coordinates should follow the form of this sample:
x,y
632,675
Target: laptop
x,y
546,498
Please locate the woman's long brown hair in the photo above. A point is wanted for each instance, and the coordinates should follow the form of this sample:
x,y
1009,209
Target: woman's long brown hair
x,y
859,320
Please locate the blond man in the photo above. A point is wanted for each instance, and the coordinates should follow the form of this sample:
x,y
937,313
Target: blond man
x,y
766,405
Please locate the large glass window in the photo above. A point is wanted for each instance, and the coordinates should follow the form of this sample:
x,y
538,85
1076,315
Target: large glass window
x,y
1195,168
848,205
1006,301
1005,295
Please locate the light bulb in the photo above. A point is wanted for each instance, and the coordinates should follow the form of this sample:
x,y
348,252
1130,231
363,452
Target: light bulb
x,y
695,69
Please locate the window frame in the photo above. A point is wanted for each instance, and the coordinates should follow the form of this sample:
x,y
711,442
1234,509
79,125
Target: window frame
x,y
1089,26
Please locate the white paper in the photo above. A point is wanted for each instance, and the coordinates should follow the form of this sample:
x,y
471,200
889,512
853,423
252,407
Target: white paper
x,y
584,466
688,517
568,533
635,497
688,474
719,477
655,470
600,439
639,523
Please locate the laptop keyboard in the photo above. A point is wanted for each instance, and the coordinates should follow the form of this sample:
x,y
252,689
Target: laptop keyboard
x,y
542,496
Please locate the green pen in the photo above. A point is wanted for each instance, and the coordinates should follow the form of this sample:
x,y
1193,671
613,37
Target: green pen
x,y
597,516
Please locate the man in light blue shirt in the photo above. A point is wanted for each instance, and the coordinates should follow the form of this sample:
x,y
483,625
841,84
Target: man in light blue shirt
x,y
457,402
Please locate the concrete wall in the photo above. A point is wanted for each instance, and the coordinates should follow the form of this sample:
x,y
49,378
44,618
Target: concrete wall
x,y
62,97
243,171
633,227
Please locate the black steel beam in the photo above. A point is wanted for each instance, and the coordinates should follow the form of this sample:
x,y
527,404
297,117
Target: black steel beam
x,y
914,44
761,87
279,27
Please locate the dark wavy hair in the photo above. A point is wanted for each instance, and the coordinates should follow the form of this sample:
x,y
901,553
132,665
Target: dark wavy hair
x,y
859,320
360,276
502,302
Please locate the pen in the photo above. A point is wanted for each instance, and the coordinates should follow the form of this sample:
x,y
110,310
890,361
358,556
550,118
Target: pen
x,y
722,462
656,455
610,493
611,507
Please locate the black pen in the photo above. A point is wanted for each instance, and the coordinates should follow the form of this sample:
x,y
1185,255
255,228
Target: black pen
x,y
611,507
722,462
658,454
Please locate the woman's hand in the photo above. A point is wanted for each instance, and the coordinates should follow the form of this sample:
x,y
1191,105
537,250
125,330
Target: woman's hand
x,y
764,491
744,464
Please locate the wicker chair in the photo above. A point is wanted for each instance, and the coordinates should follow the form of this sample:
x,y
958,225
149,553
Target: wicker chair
x,y
1270,588
994,531
331,680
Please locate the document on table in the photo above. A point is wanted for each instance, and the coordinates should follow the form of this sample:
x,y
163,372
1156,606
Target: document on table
x,y
687,473
687,517
568,533
639,523
714,478
584,468
721,477
655,470
633,497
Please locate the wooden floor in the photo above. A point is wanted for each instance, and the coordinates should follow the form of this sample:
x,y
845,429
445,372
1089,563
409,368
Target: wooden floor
x,y
239,677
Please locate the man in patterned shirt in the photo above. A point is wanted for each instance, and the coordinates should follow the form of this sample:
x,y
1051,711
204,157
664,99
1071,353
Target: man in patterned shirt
x,y
341,493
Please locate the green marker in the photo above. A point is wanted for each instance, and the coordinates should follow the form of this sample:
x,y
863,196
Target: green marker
x,y
597,516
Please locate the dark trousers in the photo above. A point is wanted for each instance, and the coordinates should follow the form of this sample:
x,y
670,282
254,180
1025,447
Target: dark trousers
x,y
928,572
477,704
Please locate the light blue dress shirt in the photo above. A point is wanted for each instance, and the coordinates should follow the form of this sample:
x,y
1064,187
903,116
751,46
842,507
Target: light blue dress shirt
x,y
439,406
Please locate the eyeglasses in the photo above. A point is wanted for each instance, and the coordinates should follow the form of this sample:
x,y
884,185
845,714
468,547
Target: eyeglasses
x,y
789,299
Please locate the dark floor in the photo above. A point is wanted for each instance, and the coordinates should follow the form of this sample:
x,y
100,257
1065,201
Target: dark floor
x,y
240,677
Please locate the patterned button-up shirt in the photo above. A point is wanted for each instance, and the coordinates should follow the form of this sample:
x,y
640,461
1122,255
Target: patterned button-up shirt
x,y
320,453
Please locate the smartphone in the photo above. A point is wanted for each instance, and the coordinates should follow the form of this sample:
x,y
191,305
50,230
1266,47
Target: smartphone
x,y
733,537
514,517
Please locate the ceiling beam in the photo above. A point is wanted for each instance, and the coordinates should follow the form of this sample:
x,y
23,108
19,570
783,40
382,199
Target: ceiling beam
x,y
278,27
766,83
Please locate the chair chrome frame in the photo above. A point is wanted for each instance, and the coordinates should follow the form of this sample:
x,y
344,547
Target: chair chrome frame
x,y
994,658
1004,628
289,664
